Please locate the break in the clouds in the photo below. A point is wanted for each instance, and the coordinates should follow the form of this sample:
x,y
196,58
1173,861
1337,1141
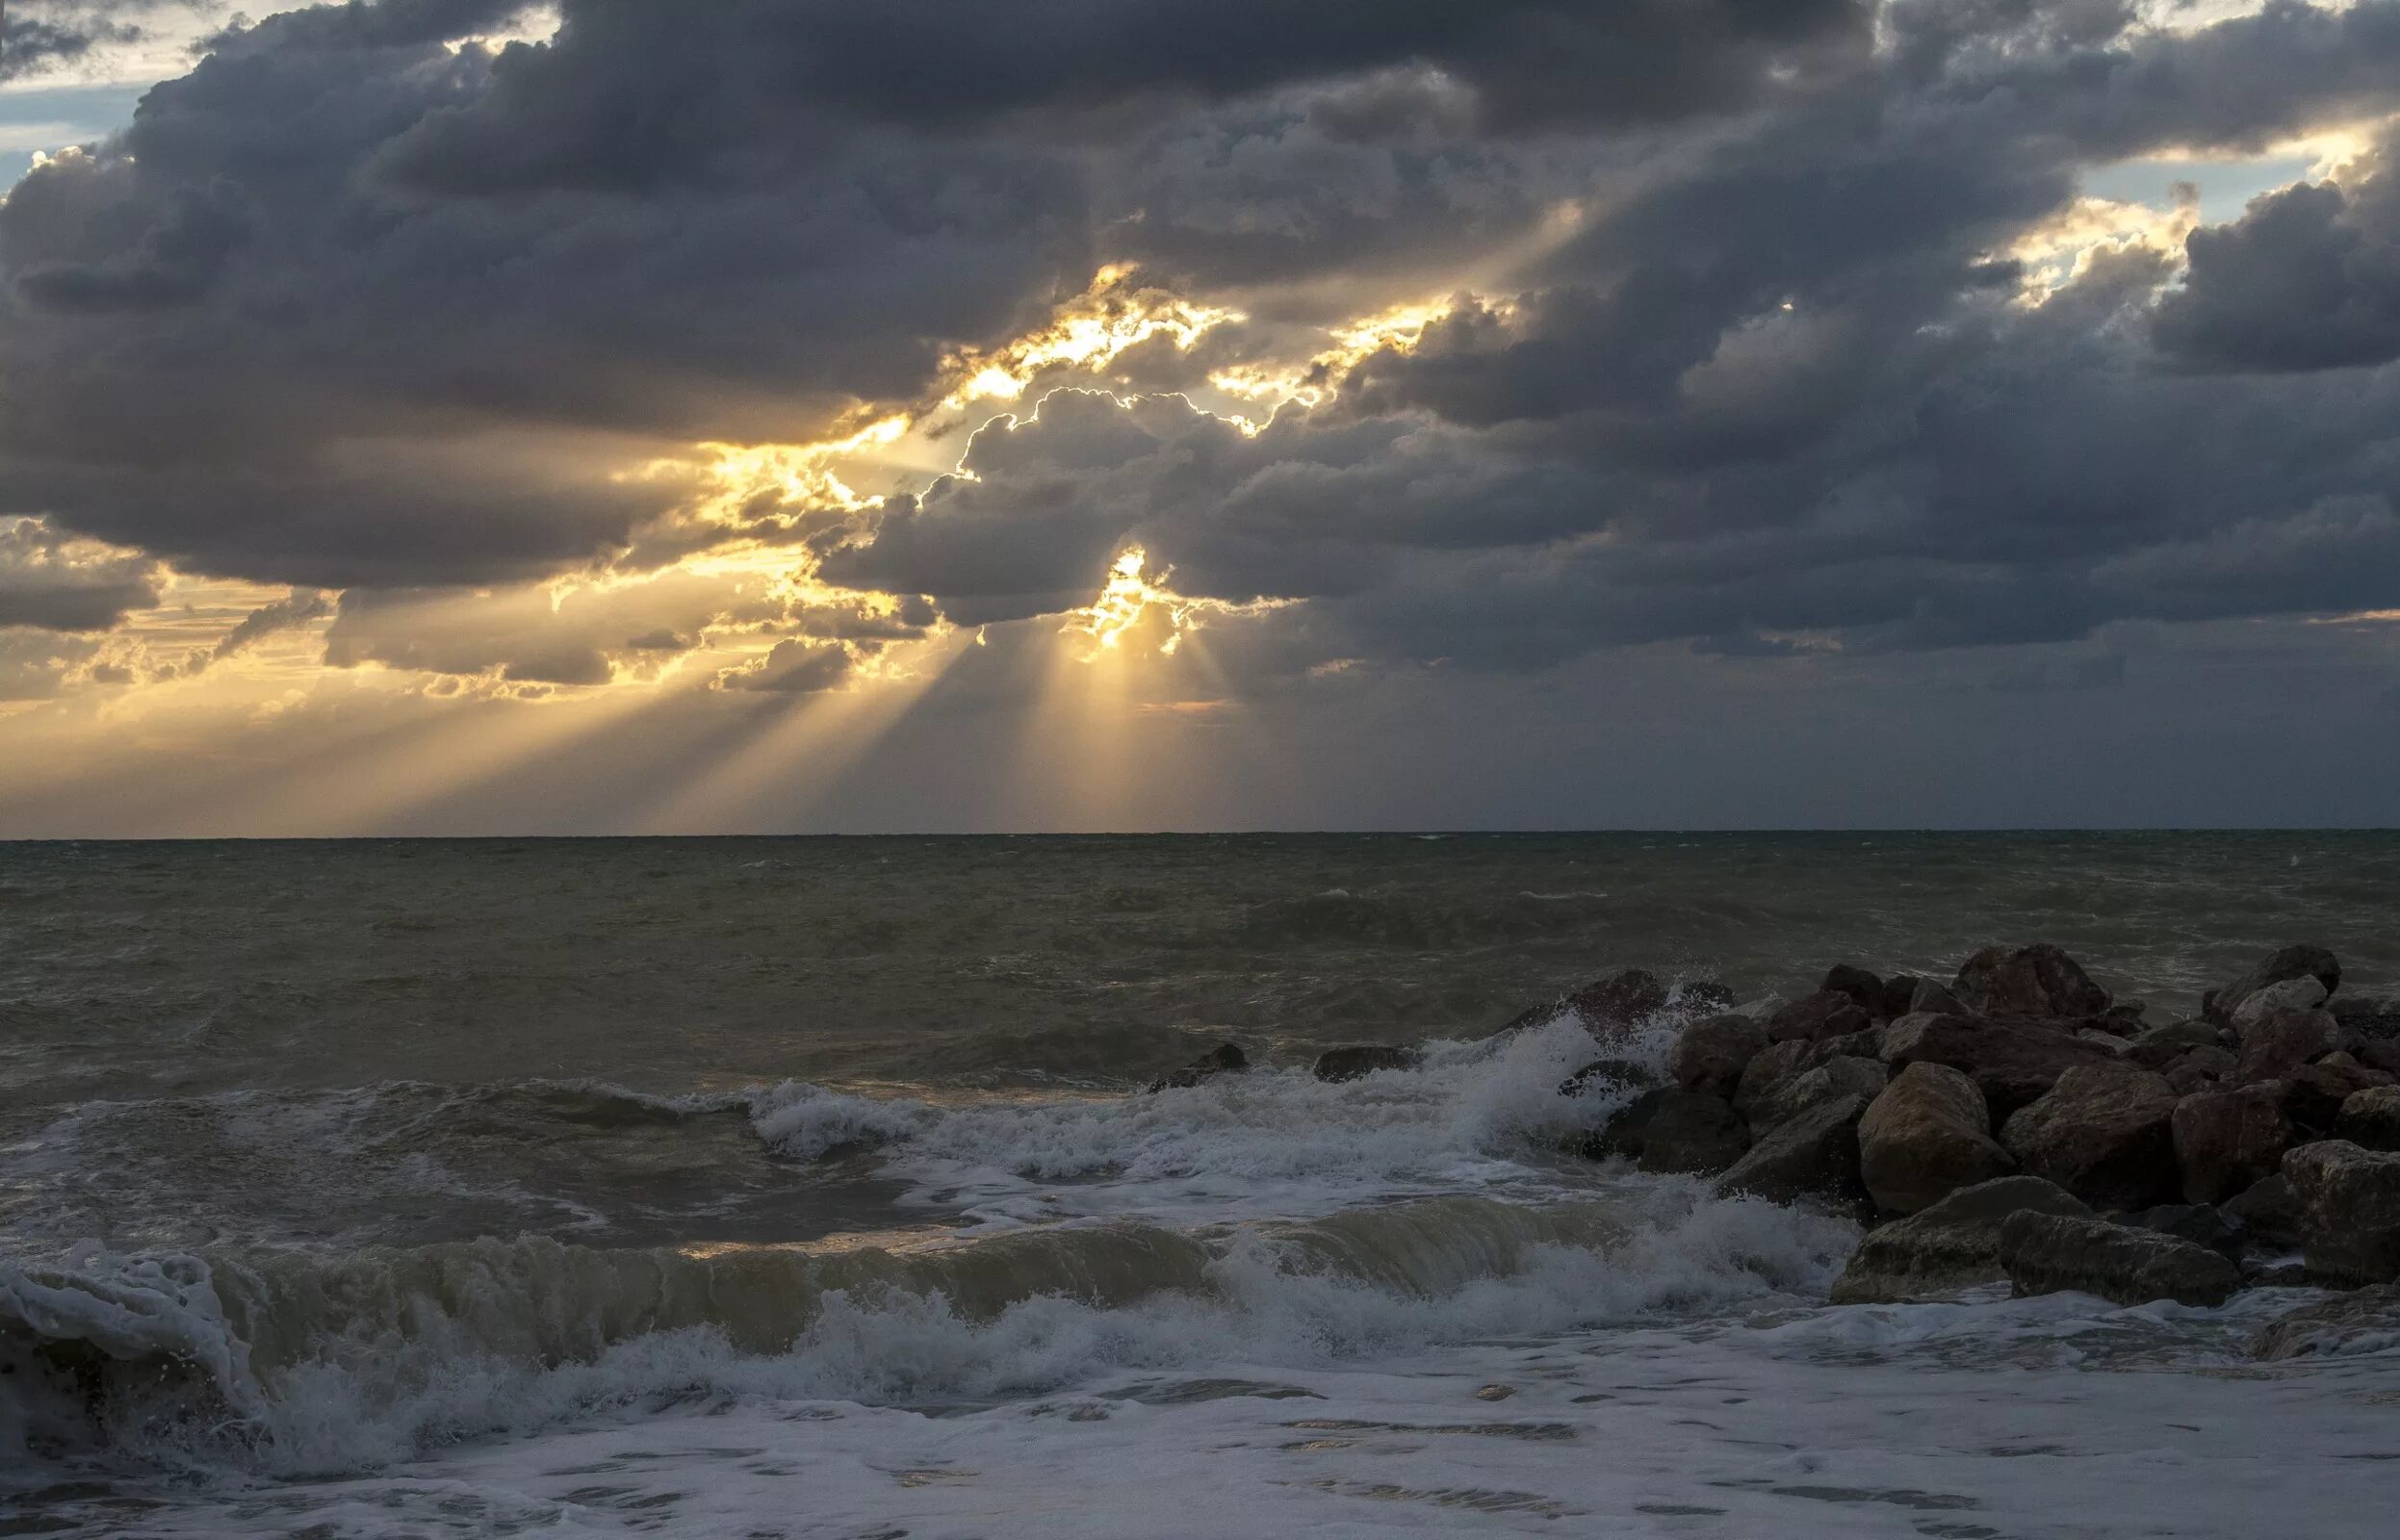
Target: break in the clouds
x,y
777,351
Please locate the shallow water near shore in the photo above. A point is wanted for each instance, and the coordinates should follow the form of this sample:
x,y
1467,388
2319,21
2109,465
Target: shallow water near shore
x,y
757,1188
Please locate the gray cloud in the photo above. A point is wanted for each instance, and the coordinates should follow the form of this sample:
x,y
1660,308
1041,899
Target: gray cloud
x,y
52,581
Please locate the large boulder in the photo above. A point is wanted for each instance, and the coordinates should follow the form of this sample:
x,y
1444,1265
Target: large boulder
x,y
1774,1065
1934,997
2013,1062
2033,981
1926,1135
2281,1041
1826,1013
2349,1202
1611,1007
2370,1118
2104,1132
2047,1253
1899,990
2265,1209
1813,1155
1674,1132
1710,1055
1831,1080
2197,1222
2201,1069
2302,961
2160,1047
1225,1059
1865,989
2364,1321
2292,994
1354,1064
2226,1139
1952,1245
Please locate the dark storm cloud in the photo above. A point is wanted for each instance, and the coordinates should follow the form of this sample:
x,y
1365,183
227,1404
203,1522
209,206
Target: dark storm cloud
x,y
51,582
345,307
2308,278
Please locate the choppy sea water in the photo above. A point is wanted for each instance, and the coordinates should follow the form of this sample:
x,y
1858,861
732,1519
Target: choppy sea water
x,y
756,1187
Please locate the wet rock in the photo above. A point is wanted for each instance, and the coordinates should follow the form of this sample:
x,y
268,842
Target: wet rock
x,y
2046,1253
2376,1053
2033,981
2267,1211
2196,1223
2201,1069
1770,1068
2370,1118
2161,1045
2349,1203
1829,1081
1900,990
2366,1321
1826,1013
2111,1041
1703,996
2315,1095
2103,1132
2368,1017
2013,1062
1710,1055
1932,997
1868,1045
2302,961
1925,1136
2282,1040
2226,1139
1863,988
1813,1155
2303,993
1952,1245
1354,1063
1671,1131
1608,1074
1225,1059
1609,1006
1762,1009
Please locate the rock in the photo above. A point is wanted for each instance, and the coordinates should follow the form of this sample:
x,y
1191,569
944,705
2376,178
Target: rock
x,y
2303,993
1814,1087
2201,1069
2349,1203
1863,988
2196,1223
1826,1013
2046,1253
1671,1131
1867,1044
2282,1040
2366,1321
1762,1009
1899,990
2033,981
2013,1062
2109,1040
1704,996
1952,1245
1776,1063
2129,1012
2161,1045
2226,1139
2315,1095
2103,1132
1225,1059
1609,1006
1354,1063
1932,997
1927,1135
1608,1073
2376,1053
2369,1018
2267,1211
1814,1154
2291,962
2370,1118
1710,1055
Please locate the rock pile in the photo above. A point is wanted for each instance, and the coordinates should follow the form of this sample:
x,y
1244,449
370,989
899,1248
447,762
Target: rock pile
x,y
2017,1122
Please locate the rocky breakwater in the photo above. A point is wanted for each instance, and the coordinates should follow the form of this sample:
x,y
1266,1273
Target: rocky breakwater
x,y
2017,1124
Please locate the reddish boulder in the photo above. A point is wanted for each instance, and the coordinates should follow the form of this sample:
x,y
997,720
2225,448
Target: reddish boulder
x,y
2033,981
2226,1139
2105,1133
2013,1062
1927,1135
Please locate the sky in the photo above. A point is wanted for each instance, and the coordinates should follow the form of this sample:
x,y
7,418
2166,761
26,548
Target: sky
x,y
607,417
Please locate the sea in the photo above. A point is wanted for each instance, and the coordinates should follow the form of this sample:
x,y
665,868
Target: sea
x,y
812,1187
